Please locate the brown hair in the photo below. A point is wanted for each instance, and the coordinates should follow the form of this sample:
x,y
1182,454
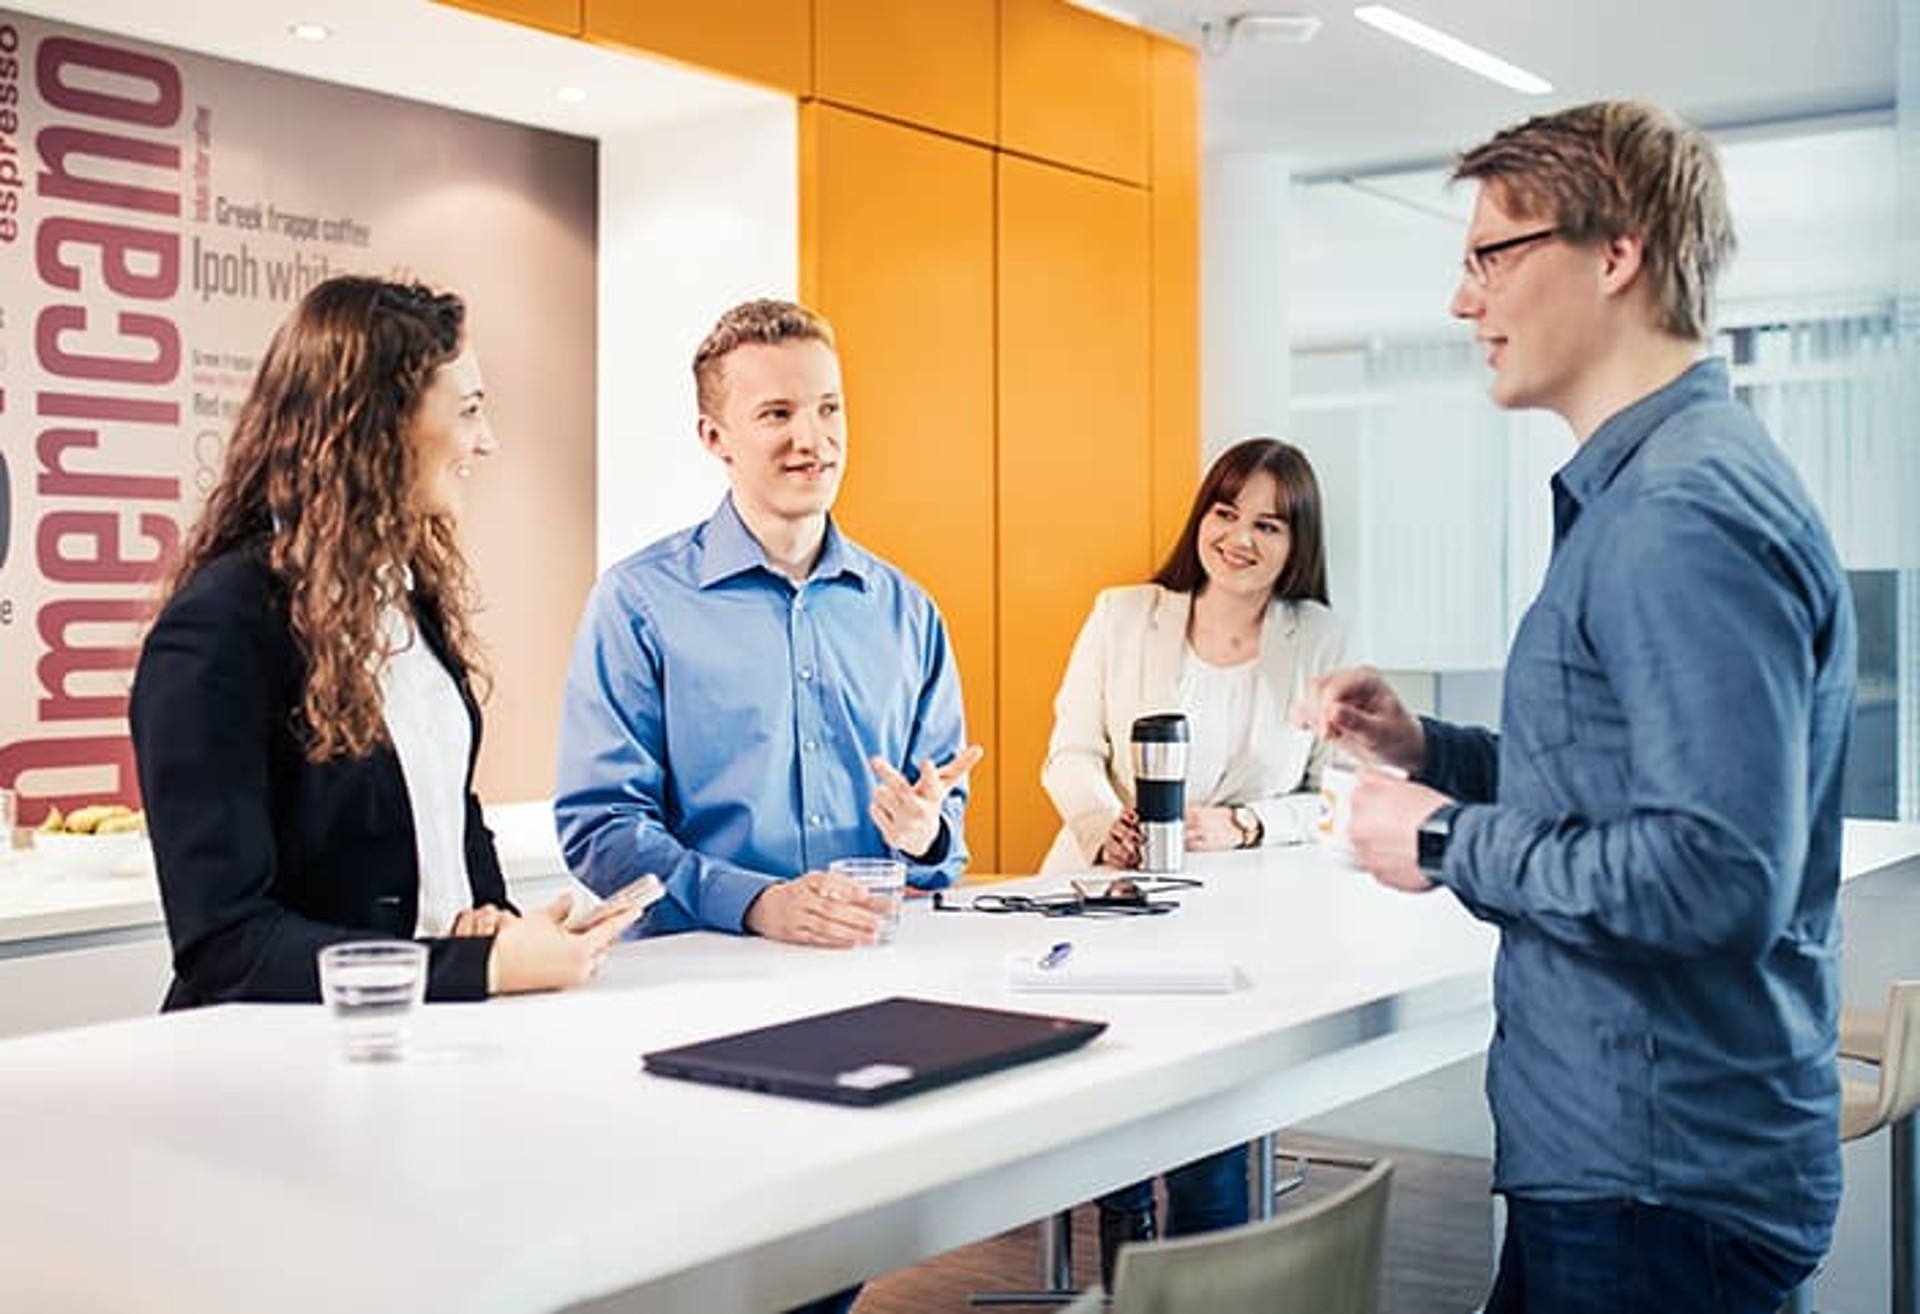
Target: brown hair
x,y
764,322
1305,574
1615,168
319,466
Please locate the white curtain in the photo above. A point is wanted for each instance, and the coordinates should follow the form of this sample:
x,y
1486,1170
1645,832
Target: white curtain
x,y
1829,390
1439,518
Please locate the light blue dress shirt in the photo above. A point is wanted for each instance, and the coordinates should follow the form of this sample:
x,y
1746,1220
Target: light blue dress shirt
x,y
1662,849
719,720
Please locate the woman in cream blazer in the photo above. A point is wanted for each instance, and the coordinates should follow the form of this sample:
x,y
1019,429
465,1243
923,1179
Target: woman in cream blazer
x,y
1230,632
1128,662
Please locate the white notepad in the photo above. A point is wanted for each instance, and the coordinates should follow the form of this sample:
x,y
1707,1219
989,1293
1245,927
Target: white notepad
x,y
1122,972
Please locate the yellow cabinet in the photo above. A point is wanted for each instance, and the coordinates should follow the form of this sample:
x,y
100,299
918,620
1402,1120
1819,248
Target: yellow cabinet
x,y
1075,454
897,250
562,16
1074,88
931,64
764,41
1176,289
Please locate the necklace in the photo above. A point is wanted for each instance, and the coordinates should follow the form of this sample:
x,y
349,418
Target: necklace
x,y
1216,636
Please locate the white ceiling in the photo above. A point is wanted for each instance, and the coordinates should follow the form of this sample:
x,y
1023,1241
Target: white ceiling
x,y
1356,100
1351,100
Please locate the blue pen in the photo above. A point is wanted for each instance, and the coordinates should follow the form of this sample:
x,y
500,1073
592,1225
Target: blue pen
x,y
1056,955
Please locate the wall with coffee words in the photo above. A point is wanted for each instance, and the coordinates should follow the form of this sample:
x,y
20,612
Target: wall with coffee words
x,y
160,211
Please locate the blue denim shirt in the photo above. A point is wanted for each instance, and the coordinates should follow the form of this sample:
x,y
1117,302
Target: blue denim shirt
x,y
1661,844
719,718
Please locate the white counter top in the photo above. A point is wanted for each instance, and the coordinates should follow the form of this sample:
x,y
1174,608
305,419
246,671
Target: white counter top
x,y
38,901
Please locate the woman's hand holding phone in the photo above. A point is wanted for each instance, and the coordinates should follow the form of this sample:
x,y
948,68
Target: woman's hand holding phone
x,y
552,950
639,895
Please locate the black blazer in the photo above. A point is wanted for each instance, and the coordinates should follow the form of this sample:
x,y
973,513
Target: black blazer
x,y
264,857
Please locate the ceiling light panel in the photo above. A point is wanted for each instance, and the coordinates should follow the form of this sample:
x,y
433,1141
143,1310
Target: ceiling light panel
x,y
1452,49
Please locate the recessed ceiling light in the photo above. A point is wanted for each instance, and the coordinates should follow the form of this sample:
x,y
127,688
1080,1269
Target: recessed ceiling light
x,y
311,31
1452,49
571,95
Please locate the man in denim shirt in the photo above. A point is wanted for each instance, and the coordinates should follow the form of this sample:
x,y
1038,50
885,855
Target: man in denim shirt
x,y
1656,832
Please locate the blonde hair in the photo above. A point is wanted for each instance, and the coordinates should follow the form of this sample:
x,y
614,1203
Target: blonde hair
x,y
1616,168
764,322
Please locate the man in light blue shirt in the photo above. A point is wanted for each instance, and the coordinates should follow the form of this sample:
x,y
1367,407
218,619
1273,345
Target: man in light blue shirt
x,y
1656,829
748,698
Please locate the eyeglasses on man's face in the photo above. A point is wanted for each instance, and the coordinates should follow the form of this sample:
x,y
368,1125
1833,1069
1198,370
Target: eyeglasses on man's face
x,y
1483,262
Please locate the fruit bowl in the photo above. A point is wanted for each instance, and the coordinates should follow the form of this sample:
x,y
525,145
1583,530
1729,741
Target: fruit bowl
x,y
90,855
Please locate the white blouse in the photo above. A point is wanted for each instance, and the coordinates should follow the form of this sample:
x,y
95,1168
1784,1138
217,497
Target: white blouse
x,y
1219,703
428,724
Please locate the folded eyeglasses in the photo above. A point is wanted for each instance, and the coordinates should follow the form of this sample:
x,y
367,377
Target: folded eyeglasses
x,y
1124,896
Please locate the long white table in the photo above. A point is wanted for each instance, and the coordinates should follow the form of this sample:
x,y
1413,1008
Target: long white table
x,y
226,1160
520,1160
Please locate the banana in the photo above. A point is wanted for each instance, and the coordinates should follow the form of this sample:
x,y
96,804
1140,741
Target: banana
x,y
54,824
86,820
132,822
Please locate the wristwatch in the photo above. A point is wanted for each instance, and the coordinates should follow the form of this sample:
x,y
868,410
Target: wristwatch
x,y
1436,832
1247,822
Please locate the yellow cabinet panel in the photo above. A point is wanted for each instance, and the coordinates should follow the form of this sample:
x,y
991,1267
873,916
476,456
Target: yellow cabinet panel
x,y
897,250
562,16
764,41
1074,88
933,64
1074,455
1176,289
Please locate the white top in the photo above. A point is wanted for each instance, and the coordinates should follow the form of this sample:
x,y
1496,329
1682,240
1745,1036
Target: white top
x,y
433,739
1220,703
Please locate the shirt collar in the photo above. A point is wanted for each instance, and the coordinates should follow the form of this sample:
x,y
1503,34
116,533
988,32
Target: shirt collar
x,y
729,549
1598,461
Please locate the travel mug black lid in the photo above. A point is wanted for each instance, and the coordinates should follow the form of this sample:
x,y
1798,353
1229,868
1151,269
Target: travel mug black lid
x,y
1161,728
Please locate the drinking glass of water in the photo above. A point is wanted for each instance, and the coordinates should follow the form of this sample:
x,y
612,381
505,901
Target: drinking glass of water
x,y
885,883
372,987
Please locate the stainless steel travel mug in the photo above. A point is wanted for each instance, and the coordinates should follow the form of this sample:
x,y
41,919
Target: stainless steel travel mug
x,y
1160,788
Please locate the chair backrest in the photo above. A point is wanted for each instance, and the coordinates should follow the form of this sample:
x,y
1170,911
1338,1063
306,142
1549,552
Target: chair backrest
x,y
1322,1258
1900,1060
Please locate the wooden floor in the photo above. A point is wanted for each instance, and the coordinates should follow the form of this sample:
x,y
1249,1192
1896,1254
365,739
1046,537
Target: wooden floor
x,y
1438,1252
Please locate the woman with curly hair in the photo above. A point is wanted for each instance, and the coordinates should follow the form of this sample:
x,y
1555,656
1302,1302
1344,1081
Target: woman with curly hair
x,y
303,714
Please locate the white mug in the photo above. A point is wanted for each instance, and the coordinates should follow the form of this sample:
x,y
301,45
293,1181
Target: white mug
x,y
1334,829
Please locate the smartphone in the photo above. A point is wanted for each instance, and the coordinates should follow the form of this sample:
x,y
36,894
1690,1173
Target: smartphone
x,y
641,894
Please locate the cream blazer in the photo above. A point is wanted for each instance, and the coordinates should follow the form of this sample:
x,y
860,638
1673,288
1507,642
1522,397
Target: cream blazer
x,y
1125,664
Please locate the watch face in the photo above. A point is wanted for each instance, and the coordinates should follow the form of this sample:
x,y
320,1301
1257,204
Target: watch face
x,y
1433,836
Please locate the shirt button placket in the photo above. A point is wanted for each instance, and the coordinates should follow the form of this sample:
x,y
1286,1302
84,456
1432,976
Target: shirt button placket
x,y
806,711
